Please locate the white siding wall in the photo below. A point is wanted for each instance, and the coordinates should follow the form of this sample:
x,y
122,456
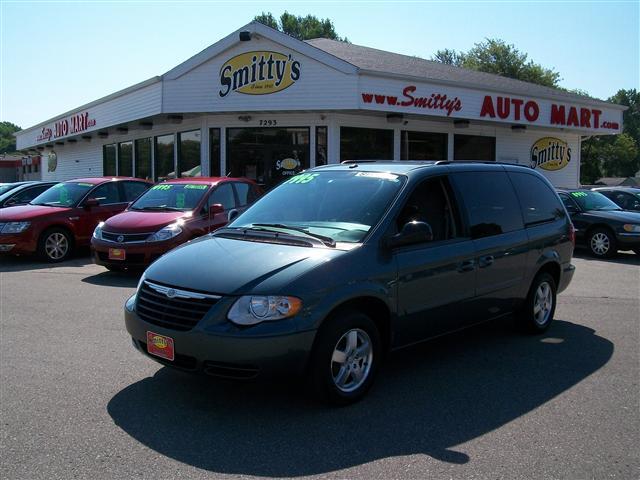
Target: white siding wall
x,y
319,87
85,159
142,103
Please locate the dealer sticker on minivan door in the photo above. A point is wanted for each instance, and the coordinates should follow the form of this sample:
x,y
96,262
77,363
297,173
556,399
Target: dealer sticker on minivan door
x,y
160,346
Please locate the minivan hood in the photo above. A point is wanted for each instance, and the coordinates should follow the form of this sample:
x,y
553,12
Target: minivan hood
x,y
132,221
235,267
619,215
29,212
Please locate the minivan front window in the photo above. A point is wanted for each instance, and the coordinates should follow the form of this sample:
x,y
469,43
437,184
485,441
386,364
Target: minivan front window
x,y
589,200
64,194
171,196
341,206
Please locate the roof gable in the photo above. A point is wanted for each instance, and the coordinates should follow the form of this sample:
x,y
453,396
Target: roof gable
x,y
259,30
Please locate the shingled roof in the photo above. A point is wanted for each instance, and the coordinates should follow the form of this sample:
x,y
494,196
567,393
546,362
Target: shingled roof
x,y
381,61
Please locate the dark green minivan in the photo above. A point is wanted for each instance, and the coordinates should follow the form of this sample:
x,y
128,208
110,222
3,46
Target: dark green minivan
x,y
343,263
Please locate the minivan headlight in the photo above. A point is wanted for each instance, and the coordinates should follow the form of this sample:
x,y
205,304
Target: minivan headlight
x,y
165,233
97,233
629,227
15,227
253,309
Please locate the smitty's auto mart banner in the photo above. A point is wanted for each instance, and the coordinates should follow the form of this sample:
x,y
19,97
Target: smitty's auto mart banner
x,y
462,103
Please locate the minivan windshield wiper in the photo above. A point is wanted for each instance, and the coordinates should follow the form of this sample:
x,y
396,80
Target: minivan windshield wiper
x,y
328,241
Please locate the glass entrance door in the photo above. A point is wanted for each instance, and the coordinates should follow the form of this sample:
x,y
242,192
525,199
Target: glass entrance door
x,y
267,155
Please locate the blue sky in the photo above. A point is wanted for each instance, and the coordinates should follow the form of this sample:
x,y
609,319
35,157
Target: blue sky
x,y
58,55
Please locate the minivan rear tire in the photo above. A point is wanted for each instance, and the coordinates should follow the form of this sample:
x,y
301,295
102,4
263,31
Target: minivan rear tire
x,y
536,314
348,346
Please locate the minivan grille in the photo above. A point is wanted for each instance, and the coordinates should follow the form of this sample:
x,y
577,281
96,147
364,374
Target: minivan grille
x,y
172,308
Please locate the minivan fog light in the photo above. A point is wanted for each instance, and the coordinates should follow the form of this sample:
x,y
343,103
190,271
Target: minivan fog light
x,y
250,310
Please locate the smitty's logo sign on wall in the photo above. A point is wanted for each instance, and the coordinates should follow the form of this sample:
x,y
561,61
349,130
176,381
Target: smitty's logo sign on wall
x,y
258,73
550,153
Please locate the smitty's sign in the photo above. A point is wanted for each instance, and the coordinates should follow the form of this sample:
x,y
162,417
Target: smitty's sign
x,y
258,73
550,154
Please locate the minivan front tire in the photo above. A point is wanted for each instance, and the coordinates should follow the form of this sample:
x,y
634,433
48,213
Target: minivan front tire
x,y
537,312
602,243
345,358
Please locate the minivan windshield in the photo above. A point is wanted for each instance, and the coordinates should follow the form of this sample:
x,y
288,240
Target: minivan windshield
x,y
339,206
171,196
593,201
64,194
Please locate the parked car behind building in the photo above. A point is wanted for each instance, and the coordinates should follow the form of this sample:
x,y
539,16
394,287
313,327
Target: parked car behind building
x,y
627,198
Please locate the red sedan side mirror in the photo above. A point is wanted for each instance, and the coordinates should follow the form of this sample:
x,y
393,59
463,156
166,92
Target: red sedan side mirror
x,y
91,202
216,208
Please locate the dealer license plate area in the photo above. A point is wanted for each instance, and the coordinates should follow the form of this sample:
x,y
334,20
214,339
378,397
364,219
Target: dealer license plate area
x,y
117,254
160,346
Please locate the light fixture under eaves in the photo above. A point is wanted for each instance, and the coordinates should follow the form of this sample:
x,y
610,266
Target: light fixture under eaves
x,y
72,140
518,128
174,118
245,118
394,117
461,123
103,134
86,138
122,130
145,125
245,36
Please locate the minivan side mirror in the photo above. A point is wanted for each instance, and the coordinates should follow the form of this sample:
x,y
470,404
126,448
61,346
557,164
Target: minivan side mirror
x,y
91,202
233,214
411,233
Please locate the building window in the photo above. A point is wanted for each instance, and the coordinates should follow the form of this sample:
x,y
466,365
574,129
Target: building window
x,y
164,164
365,144
109,160
423,146
321,146
267,155
35,167
125,159
474,147
189,164
143,158
214,152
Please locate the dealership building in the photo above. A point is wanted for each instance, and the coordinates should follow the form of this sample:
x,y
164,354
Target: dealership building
x,y
264,105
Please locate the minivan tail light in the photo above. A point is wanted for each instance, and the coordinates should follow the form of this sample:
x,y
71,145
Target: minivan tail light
x,y
572,234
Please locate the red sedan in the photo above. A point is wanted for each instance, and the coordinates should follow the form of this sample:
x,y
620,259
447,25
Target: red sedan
x,y
168,215
63,218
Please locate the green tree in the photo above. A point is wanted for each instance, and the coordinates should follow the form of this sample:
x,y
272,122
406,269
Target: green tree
x,y
498,57
615,155
7,140
302,28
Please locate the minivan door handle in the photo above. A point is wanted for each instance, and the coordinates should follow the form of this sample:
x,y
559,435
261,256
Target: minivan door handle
x,y
466,266
485,261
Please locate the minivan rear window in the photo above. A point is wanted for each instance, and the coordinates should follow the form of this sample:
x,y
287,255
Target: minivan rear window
x,y
539,203
490,201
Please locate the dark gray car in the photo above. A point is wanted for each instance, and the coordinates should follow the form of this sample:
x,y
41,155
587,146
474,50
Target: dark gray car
x,y
343,263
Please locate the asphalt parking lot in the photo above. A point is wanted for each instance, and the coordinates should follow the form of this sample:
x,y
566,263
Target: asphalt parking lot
x,y
77,401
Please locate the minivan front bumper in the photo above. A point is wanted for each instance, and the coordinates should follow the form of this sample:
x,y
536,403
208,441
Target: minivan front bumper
x,y
238,355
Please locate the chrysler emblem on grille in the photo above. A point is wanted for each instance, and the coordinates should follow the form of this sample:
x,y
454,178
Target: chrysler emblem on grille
x,y
171,293
120,238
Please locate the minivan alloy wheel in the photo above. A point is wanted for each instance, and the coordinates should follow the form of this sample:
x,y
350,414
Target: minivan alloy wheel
x,y
542,304
351,360
56,245
600,243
